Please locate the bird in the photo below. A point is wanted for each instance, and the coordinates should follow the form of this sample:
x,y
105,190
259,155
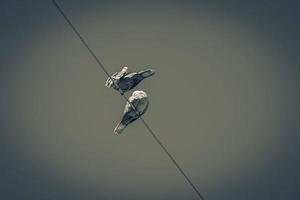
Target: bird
x,y
135,107
124,81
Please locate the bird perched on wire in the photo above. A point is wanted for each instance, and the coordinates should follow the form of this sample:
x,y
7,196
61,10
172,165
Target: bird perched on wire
x,y
135,108
124,81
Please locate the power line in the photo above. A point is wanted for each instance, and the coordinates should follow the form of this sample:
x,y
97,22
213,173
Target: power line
x,y
172,159
143,121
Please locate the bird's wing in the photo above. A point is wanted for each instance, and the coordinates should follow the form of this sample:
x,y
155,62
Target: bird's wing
x,y
110,81
114,80
130,114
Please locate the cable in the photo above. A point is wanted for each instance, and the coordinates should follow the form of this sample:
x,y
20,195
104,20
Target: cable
x,y
143,121
172,159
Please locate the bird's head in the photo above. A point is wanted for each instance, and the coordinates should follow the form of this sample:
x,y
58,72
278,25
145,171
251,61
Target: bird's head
x,y
124,70
139,94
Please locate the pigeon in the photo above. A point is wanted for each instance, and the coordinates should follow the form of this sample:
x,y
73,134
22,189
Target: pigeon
x,y
137,106
124,81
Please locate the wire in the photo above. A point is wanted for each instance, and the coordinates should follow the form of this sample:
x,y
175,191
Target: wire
x,y
143,121
172,159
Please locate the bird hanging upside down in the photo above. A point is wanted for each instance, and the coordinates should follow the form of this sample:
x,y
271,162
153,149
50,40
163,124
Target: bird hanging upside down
x,y
124,81
137,106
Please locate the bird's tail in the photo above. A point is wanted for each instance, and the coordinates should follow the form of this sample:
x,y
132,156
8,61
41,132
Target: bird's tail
x,y
119,128
146,73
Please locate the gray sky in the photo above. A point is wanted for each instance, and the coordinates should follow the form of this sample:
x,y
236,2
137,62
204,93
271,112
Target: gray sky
x,y
224,100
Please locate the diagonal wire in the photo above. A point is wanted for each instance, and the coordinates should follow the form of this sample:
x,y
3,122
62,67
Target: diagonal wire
x,y
143,121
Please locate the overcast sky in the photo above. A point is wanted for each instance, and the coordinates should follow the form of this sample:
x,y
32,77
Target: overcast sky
x,y
224,100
